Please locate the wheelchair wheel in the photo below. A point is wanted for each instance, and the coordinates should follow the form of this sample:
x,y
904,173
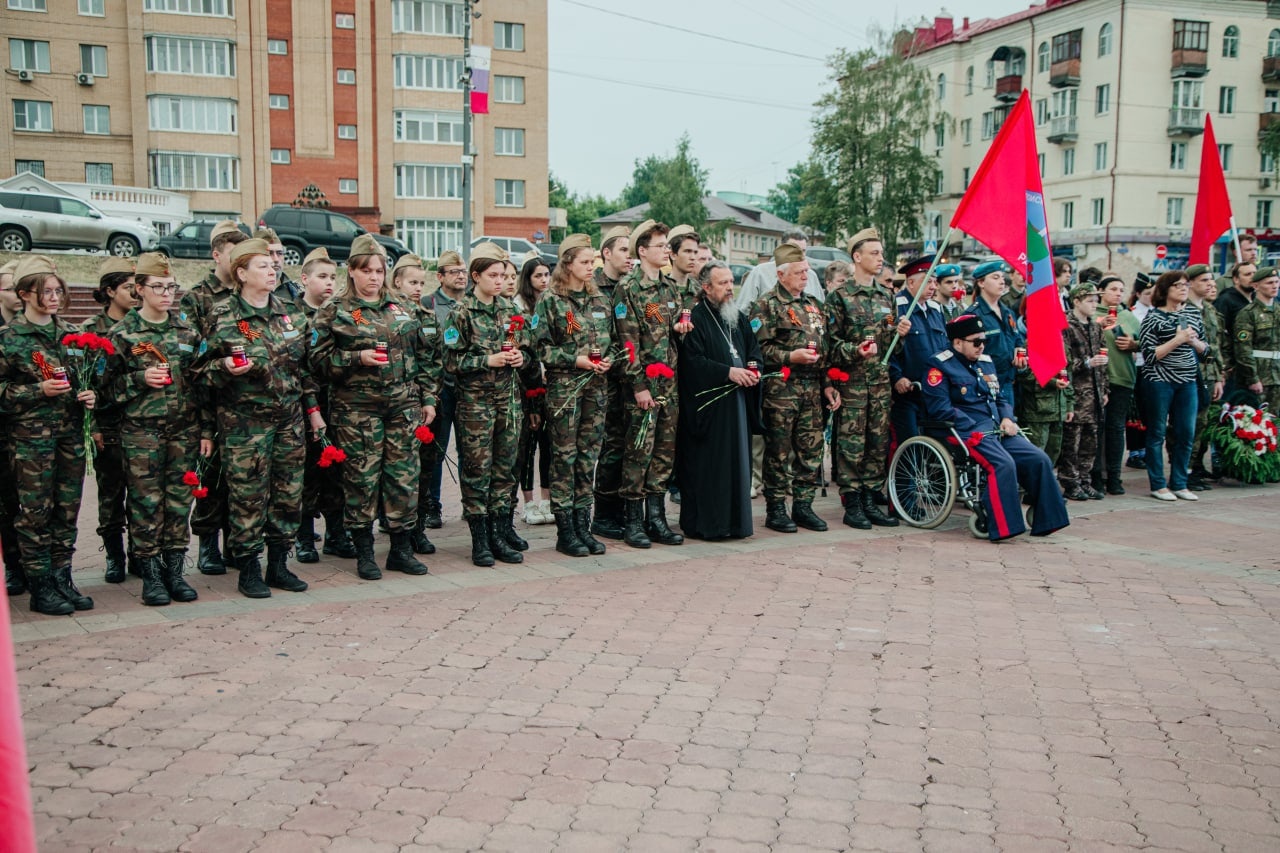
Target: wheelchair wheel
x,y
978,525
922,482
1031,516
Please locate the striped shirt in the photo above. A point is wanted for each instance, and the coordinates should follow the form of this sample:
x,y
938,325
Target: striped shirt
x,y
1181,364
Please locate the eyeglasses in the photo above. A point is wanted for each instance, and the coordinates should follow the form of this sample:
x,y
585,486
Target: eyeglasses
x,y
977,342
454,271
161,288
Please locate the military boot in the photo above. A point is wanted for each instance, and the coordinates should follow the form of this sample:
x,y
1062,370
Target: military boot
x,y
66,586
175,562
480,553
337,541
113,545
499,543
278,574
15,580
366,566
154,593
401,558
873,512
656,527
608,521
509,531
582,526
305,544
210,561
854,515
633,532
418,538
431,516
250,583
45,597
135,565
776,517
803,515
567,541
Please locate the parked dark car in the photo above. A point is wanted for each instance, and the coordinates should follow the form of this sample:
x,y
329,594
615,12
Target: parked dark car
x,y
820,257
192,240
303,230
740,272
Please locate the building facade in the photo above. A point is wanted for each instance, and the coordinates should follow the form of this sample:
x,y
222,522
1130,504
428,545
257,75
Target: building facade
x,y
1120,90
750,233
240,104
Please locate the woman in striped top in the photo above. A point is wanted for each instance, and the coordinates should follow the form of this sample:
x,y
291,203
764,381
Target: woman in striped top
x,y
1172,346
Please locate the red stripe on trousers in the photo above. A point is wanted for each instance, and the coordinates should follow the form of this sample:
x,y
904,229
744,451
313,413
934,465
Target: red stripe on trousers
x,y
997,508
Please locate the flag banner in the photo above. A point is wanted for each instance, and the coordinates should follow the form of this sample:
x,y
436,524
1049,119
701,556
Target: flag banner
x,y
17,827
480,58
1004,209
1213,205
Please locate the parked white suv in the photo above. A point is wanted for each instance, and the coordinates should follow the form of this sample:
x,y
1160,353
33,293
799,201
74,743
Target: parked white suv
x,y
518,248
38,220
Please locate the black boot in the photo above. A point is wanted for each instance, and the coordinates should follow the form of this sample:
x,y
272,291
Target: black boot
x,y
305,546
278,574
337,541
608,520
418,538
366,566
499,523
567,541
582,526
480,553
853,513
135,565
66,586
657,528
174,565
633,533
250,583
113,544
154,593
803,515
401,558
46,599
776,517
15,580
509,531
431,517
210,561
874,514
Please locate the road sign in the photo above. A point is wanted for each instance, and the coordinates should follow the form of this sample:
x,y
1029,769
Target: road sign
x,y
1160,265
931,247
1162,250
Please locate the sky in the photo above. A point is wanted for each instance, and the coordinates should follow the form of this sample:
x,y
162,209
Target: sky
x,y
739,76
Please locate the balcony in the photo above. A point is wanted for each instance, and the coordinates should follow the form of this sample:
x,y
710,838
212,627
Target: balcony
x,y
1185,121
1009,88
1266,121
1189,63
1062,129
1065,73
1271,69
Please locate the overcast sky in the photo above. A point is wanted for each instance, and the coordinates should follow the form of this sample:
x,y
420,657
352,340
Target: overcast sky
x,y
746,107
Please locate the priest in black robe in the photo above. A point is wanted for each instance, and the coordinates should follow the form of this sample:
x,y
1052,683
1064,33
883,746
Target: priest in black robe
x,y
713,445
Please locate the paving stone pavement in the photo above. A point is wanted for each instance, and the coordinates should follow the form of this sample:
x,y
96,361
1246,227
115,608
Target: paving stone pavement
x,y
1114,687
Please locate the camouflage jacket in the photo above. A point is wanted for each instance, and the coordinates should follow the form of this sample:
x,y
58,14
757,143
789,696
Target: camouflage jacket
x,y
645,312
1257,344
607,285
1211,363
783,323
345,326
1090,384
476,331
853,312
197,303
139,345
1043,403
24,346
558,345
106,414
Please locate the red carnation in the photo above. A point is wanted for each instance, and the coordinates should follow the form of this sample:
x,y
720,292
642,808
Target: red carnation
x,y
191,478
786,373
658,369
975,438
424,434
330,455
535,393
202,492
835,374
73,340
631,351
517,323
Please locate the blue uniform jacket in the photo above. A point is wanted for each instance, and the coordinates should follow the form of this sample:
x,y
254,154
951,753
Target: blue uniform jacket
x,y
928,336
964,393
1000,344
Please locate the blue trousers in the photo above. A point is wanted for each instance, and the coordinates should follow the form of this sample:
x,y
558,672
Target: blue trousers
x,y
1171,407
1009,462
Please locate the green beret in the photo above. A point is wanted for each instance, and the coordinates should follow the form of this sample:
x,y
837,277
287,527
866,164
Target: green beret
x,y
946,271
786,253
1196,270
1264,273
981,271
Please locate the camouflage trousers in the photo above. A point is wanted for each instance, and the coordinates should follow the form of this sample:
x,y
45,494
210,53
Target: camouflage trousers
x,y
648,462
321,487
109,472
487,424
48,475
1046,435
575,422
382,462
260,463
159,502
1079,447
609,465
793,441
209,515
8,505
860,438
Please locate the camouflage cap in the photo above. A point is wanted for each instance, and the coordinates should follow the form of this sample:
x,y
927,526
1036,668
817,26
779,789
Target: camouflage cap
x,y
320,254
34,265
1080,291
1196,270
409,261
489,249
449,258
114,265
614,233
862,236
787,254
153,263
255,246
226,226
681,231
574,241
640,231
268,234
365,244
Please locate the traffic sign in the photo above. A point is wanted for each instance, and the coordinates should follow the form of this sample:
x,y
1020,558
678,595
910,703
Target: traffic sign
x,y
931,247
1162,250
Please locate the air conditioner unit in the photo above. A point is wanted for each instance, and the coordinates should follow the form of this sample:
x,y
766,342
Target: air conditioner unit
x,y
24,75
84,79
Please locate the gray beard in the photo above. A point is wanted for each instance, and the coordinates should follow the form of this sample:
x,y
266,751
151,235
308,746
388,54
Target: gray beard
x,y
728,313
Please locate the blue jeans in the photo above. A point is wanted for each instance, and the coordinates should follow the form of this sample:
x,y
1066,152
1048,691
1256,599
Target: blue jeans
x,y
1173,406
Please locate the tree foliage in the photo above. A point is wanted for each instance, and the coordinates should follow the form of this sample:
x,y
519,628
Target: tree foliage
x,y
1269,145
580,211
674,188
787,197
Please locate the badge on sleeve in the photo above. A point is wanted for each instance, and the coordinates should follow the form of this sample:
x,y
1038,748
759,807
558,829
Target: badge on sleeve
x,y
315,337
756,324
934,378
533,321
451,336
620,311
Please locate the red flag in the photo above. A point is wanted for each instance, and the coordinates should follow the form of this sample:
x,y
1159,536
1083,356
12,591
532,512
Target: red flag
x,y
1213,205
17,828
1004,209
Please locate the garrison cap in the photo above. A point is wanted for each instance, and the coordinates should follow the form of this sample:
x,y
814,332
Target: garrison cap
x,y
1264,273
946,271
964,326
681,231
7,269
34,265
320,254
489,249
786,253
153,263
613,234
116,265
449,258
574,241
640,231
253,246
920,264
1196,270
226,226
408,261
1080,291
366,245
862,236
981,271
268,234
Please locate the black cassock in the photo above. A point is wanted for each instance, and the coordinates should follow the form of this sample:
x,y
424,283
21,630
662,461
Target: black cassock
x,y
713,446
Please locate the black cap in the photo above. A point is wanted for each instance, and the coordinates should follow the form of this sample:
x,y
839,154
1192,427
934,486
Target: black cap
x,y
964,326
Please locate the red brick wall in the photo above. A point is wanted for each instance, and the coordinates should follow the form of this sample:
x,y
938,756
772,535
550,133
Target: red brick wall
x,y
512,226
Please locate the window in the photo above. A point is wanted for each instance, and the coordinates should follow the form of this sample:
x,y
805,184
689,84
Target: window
x,y
508,36
348,186
991,73
1191,35
507,193
1224,155
1042,111
93,59
1268,164
95,8
211,8
1016,65
99,173
199,57
1188,95
1263,215
1068,161
1064,103
965,177
988,125
1040,157
968,80
426,17
429,238
423,71
28,5
277,47
1068,214
1173,211
1102,99
1271,101
508,141
1226,100
1104,41
278,102
346,131
508,90
440,127
1042,57
179,171
34,167
1100,157
191,114
939,136
1097,208
347,76
29,55
1273,43
941,186
33,115
966,130
281,156
427,180
344,21
1231,42
97,119
1178,155
942,86
1066,46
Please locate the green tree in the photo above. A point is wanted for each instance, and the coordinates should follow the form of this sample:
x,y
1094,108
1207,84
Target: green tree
x,y
580,211
785,200
1269,145
674,188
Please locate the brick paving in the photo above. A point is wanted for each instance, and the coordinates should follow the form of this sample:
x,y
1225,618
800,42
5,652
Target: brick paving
x,y
1112,688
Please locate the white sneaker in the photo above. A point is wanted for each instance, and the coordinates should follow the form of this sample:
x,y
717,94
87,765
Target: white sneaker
x,y
1186,495
1165,495
531,514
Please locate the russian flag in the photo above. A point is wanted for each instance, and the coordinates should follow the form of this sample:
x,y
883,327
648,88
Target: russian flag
x,y
480,58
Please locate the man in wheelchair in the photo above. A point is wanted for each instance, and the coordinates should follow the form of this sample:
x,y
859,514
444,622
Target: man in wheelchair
x,y
963,404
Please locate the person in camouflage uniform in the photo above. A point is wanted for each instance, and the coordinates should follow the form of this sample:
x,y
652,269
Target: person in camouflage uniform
x,y
1204,287
615,255
149,382
1087,362
788,324
43,416
115,293
574,340
259,391
209,518
647,317
15,583
1042,410
379,400
683,244
484,347
1257,340
860,321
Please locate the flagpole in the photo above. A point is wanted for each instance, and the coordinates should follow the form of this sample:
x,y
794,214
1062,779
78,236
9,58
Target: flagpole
x,y
1235,238
919,292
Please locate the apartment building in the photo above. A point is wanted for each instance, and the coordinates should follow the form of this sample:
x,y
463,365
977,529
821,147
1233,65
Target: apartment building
x,y
240,104
1120,90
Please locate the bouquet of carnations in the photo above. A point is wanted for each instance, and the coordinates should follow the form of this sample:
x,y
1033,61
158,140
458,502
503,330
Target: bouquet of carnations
x,y
1246,438
86,360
